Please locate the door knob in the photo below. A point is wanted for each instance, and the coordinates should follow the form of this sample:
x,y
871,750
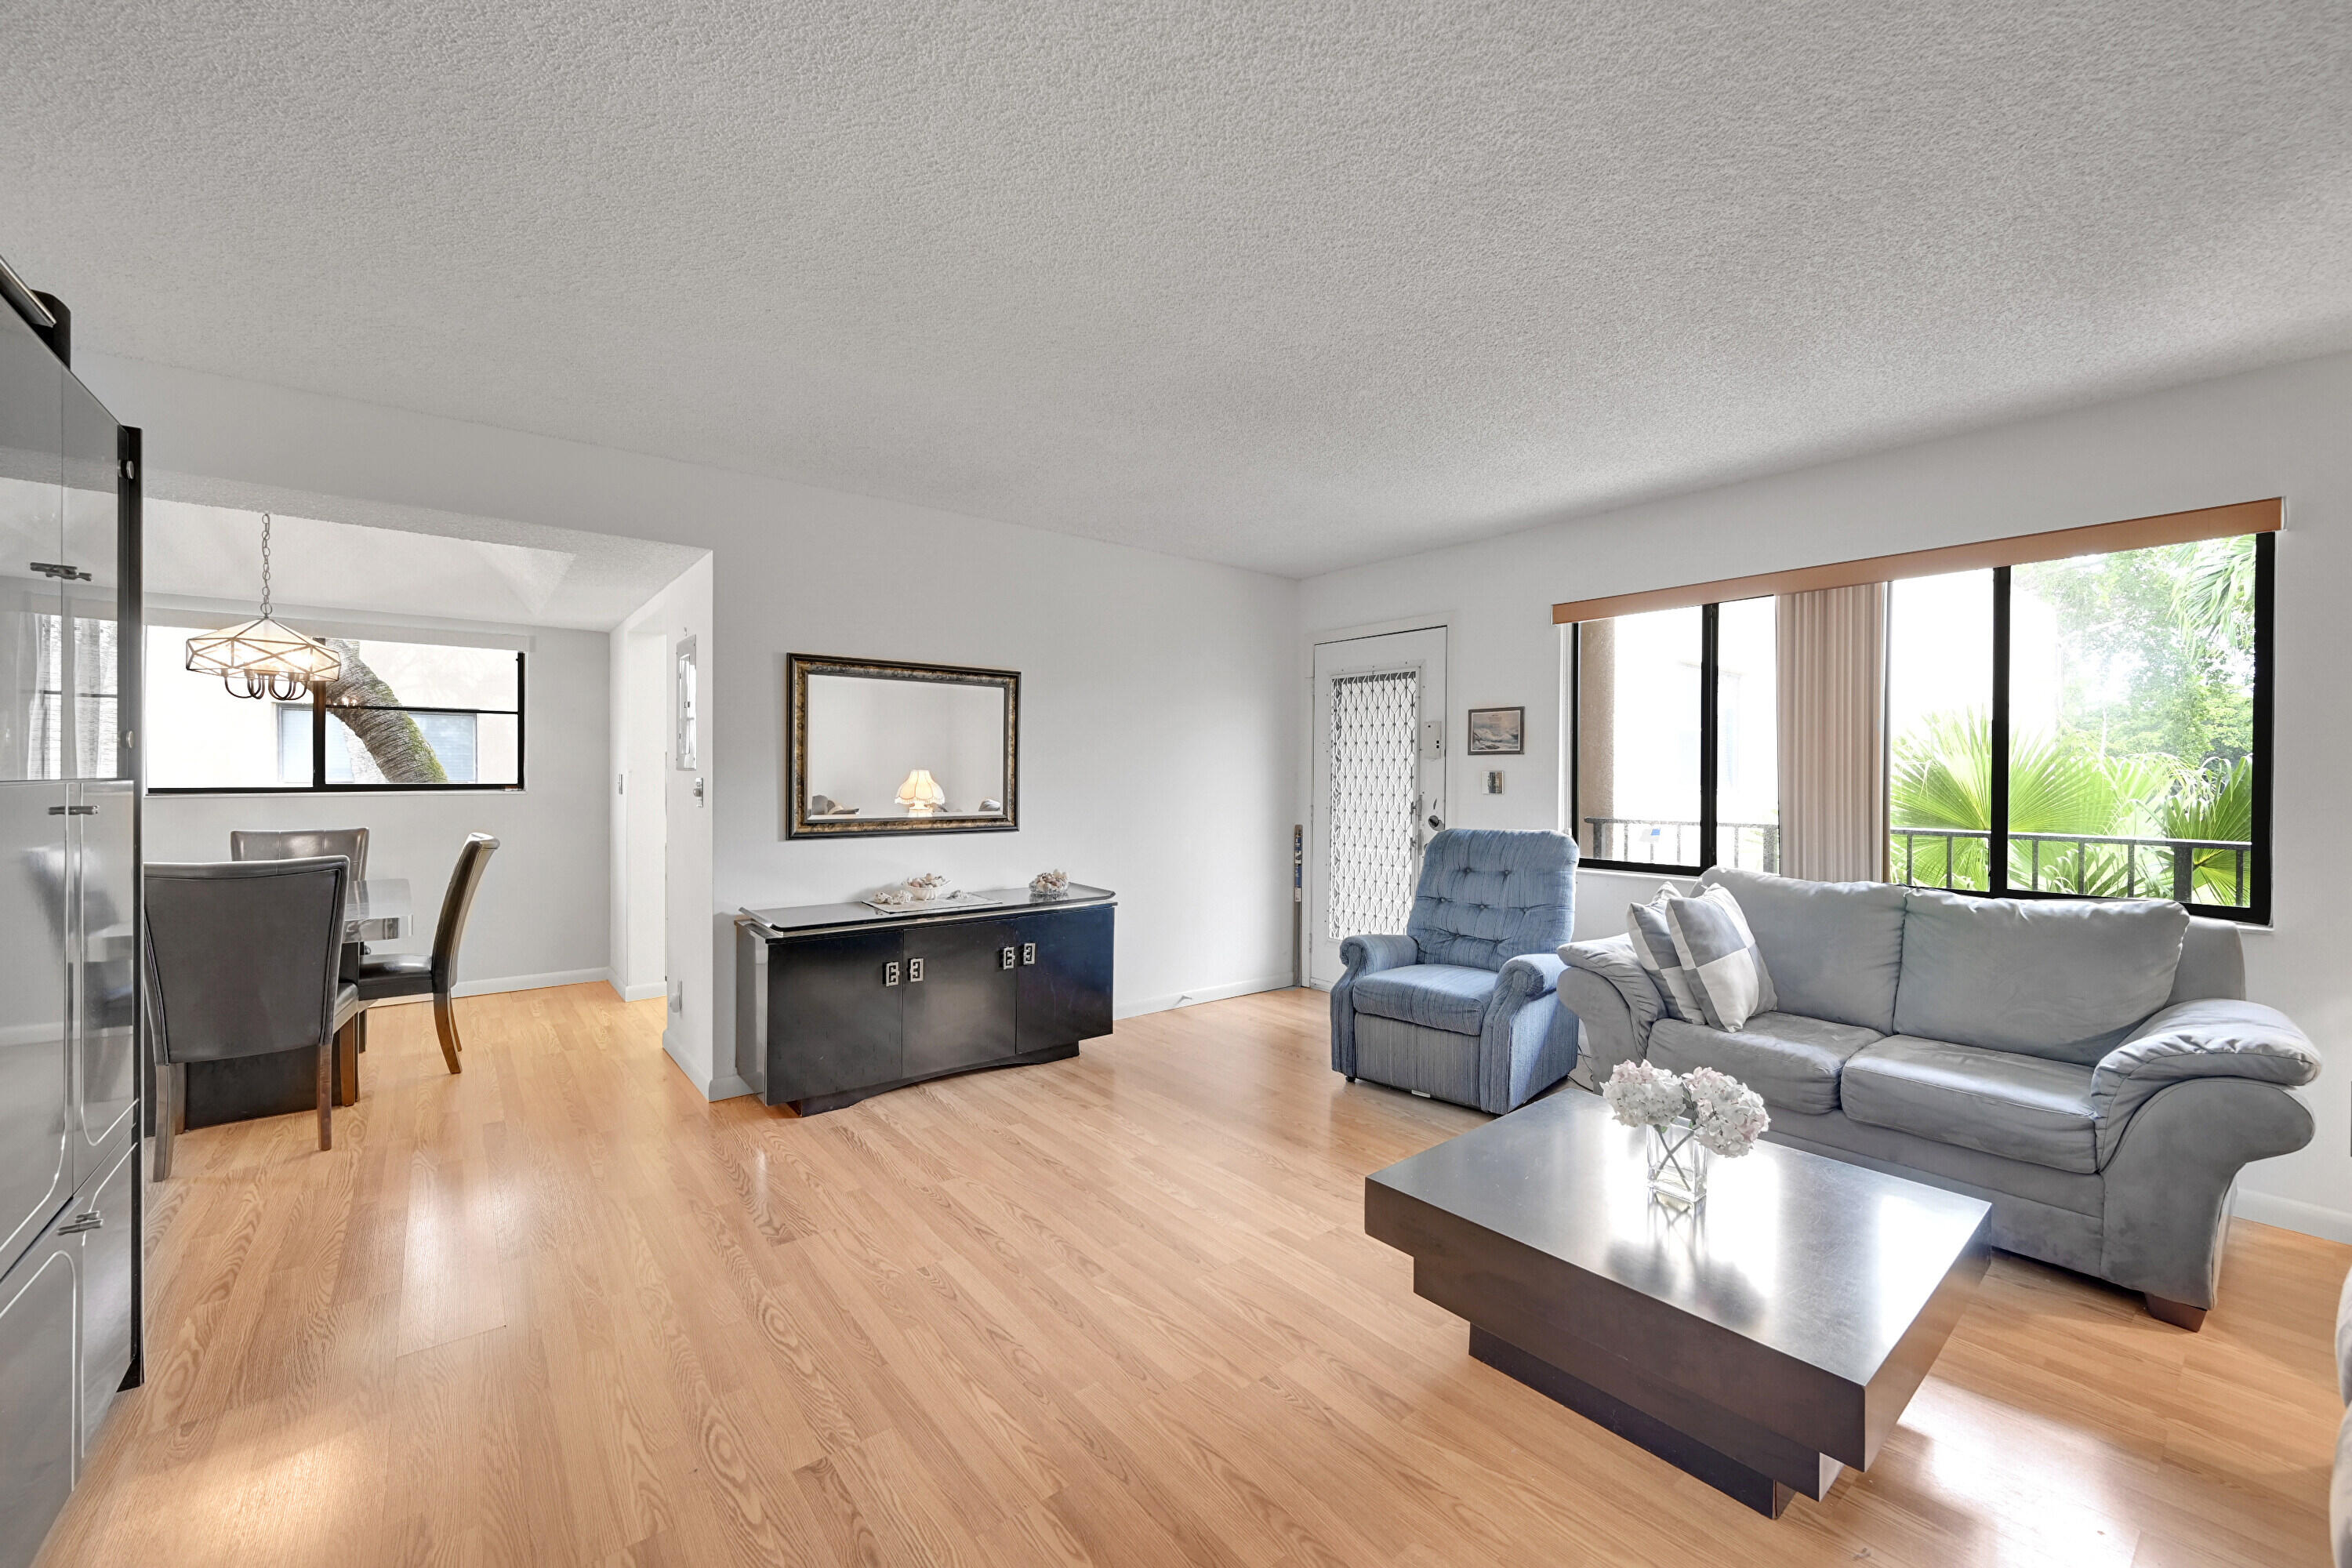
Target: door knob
x,y
92,1220
1435,820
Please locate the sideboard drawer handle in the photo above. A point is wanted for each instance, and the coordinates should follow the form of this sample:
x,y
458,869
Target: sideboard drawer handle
x,y
914,972
890,974
1028,953
1007,960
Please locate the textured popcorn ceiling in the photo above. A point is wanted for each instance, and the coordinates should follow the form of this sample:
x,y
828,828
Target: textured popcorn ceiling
x,y
1290,284
505,574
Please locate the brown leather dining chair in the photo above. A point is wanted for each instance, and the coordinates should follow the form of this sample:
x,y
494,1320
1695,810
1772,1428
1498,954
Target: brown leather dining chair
x,y
302,843
383,976
242,961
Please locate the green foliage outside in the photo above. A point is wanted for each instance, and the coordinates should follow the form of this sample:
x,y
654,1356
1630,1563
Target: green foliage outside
x,y
2154,738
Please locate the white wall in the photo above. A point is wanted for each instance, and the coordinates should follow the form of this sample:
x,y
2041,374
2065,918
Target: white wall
x,y
1159,703
689,932
540,916
640,827
2279,432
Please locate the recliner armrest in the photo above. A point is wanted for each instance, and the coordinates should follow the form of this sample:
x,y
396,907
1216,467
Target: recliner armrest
x,y
1371,955
2218,1037
1528,977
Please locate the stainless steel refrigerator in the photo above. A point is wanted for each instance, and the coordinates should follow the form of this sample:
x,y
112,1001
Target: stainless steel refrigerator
x,y
71,1065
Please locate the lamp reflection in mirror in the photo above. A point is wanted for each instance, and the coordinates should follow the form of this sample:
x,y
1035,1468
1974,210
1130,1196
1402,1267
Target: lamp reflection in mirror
x,y
921,794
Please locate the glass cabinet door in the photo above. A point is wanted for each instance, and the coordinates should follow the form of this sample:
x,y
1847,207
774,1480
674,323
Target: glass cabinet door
x,y
104,969
91,504
34,869
32,552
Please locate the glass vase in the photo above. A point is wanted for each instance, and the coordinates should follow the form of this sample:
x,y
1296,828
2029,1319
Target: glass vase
x,y
1677,1163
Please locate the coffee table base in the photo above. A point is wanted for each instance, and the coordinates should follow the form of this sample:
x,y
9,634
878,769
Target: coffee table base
x,y
1765,1494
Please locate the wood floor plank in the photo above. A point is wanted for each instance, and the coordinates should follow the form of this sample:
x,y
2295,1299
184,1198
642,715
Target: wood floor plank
x,y
1116,1310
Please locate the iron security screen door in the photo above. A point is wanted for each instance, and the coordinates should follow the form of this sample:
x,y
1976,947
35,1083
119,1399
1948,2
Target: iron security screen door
x,y
1379,784
1375,768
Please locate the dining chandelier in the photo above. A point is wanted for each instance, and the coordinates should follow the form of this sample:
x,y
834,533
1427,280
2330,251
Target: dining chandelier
x,y
262,658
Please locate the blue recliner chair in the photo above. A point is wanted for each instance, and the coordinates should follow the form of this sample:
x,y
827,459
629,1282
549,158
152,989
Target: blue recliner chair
x,y
1461,1006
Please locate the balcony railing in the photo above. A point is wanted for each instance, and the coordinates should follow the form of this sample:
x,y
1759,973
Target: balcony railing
x,y
2066,862
1753,845
2095,864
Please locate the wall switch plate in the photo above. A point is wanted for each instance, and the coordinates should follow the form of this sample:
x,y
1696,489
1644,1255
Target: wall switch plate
x,y
1432,739
1494,781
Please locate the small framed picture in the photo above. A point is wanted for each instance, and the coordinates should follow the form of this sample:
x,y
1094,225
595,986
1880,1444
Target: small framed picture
x,y
1498,731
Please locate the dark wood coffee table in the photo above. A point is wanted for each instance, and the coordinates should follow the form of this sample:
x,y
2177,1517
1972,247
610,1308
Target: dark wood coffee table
x,y
1761,1342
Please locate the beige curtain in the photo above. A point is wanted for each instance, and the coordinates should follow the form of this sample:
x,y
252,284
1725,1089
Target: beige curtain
x,y
1832,708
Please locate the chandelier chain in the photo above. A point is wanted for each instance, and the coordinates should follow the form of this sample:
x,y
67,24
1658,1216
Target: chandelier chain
x,y
265,565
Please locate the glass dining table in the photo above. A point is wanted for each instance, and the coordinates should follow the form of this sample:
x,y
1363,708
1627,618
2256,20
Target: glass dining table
x,y
243,1088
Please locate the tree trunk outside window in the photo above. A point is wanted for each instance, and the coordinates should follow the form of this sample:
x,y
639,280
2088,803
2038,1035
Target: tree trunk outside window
x,y
368,708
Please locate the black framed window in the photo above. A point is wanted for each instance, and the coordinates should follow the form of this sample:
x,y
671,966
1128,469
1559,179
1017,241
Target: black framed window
x,y
1675,757
402,716
2096,727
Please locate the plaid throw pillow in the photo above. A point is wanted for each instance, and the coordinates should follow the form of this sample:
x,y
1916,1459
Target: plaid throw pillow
x,y
1703,956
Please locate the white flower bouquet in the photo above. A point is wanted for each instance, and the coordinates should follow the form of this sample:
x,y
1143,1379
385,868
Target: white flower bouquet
x,y
1689,1116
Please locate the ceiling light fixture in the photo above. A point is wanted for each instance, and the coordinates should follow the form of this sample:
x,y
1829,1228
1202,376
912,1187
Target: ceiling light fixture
x,y
261,658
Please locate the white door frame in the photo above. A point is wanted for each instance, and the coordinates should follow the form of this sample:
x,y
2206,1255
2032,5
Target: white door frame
x,y
1310,871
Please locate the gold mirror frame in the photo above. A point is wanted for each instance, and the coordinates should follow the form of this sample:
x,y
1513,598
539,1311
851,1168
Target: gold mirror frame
x,y
799,667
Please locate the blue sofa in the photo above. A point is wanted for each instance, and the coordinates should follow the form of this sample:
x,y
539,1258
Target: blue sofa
x,y
1459,1006
2093,1070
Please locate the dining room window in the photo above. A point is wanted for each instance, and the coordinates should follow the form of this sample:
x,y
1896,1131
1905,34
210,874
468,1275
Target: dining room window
x,y
401,716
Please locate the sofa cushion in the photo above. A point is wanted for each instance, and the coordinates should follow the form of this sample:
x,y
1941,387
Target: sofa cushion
x,y
2021,1107
2339,1497
1834,950
2065,981
1489,894
1793,1062
2344,1341
1703,955
1451,997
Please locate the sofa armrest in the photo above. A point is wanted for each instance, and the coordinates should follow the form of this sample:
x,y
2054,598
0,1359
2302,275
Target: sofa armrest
x,y
1371,955
2213,1038
1615,998
2167,1171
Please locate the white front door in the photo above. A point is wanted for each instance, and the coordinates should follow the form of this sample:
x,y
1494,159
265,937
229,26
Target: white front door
x,y
1378,790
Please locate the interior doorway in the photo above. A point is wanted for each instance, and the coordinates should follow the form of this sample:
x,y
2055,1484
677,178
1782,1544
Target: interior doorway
x,y
1379,785
645,718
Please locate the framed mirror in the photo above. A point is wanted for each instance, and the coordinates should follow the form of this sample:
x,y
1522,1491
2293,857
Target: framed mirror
x,y
878,747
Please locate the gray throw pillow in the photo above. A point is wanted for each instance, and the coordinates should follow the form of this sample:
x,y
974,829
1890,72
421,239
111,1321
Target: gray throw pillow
x,y
1703,956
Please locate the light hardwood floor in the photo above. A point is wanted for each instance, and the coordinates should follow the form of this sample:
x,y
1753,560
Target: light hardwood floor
x,y
1119,1309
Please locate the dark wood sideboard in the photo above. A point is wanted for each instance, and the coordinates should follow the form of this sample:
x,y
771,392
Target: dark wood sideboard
x,y
836,1002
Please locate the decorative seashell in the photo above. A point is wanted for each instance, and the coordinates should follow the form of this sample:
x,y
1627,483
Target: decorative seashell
x,y
1050,884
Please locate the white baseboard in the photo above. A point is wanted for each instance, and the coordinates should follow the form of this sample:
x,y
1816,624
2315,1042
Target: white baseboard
x,y
1137,1009
512,983
2293,1214
726,1086
645,993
